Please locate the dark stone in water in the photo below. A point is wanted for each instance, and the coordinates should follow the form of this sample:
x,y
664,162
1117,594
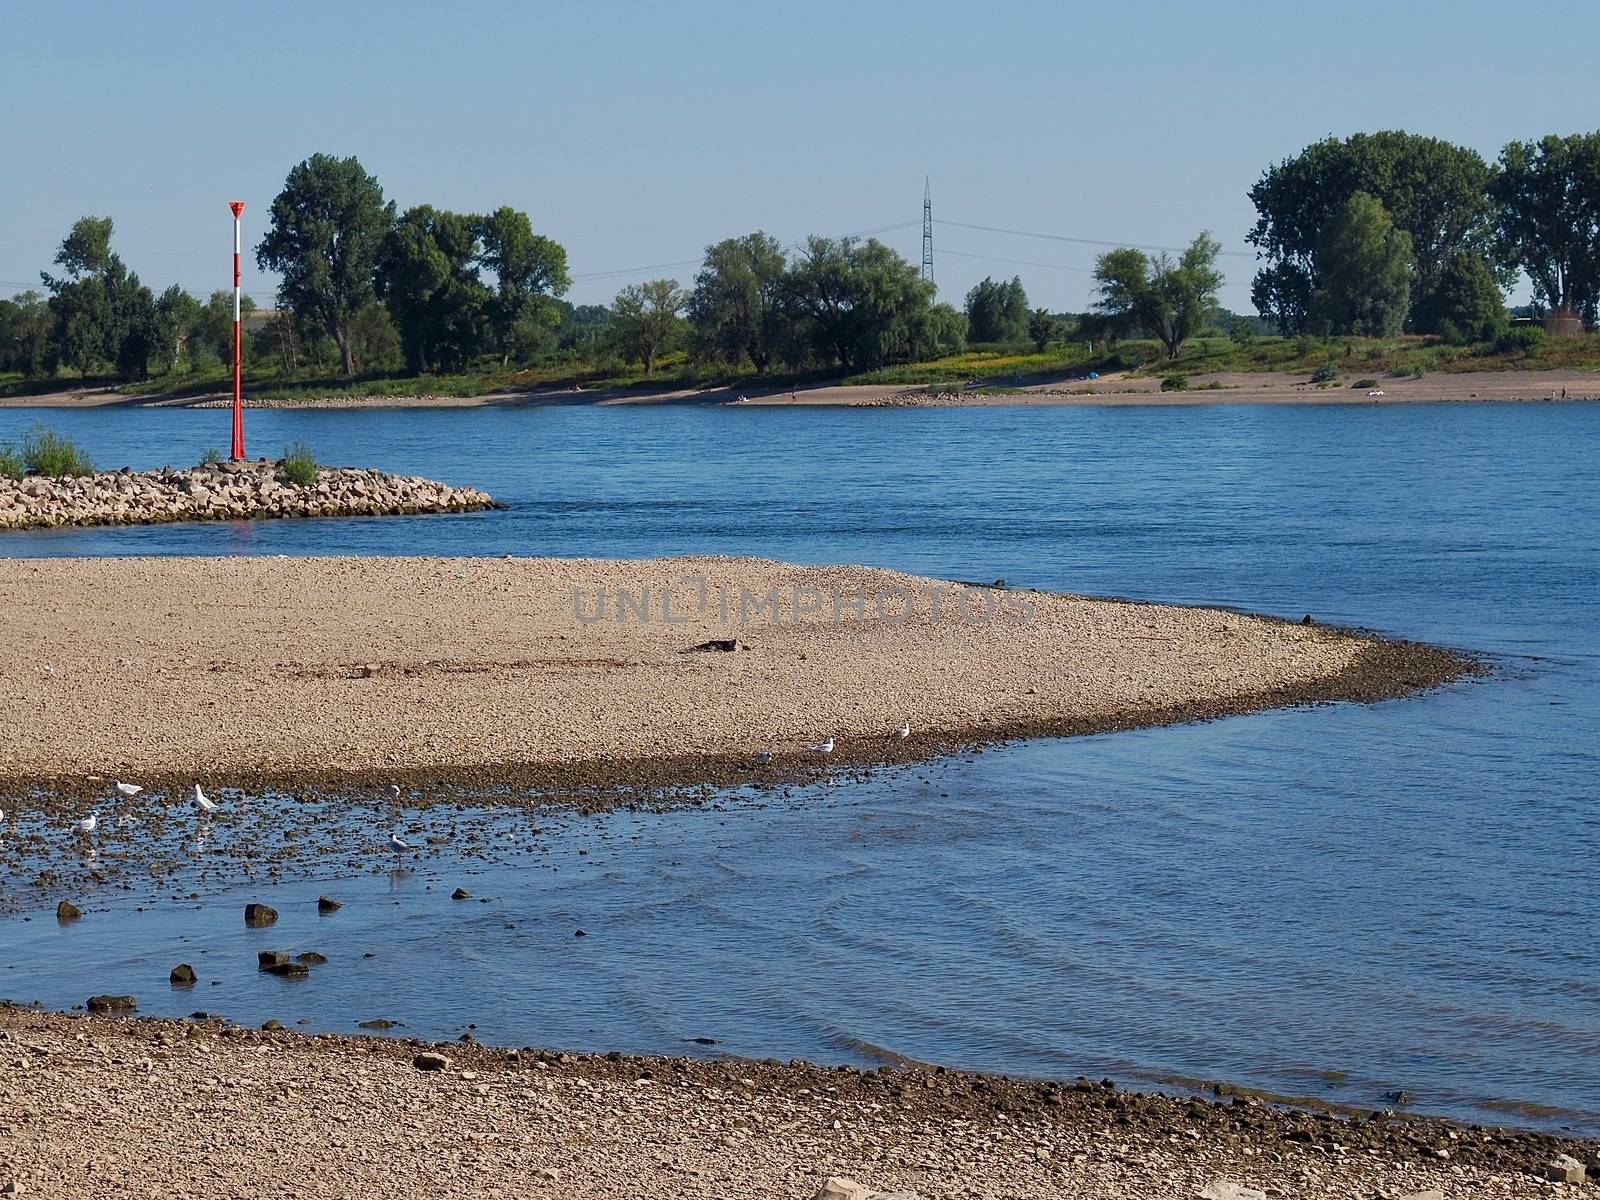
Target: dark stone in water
x,y
461,894
257,915
290,970
312,958
274,1023
1308,619
267,959
376,1023
182,975
579,933
327,904
112,1004
68,911
705,1041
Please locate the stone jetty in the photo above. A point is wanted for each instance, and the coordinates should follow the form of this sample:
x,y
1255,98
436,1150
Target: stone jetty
x,y
224,492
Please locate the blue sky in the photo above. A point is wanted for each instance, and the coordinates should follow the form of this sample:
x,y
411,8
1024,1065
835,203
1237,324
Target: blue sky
x,y
635,134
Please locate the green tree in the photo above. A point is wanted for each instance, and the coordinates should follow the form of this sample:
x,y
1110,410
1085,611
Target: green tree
x,y
645,319
584,329
100,311
1466,305
1042,329
942,332
997,311
1169,300
25,334
530,271
428,279
178,317
212,337
1364,265
1433,191
738,310
328,225
858,304
1547,200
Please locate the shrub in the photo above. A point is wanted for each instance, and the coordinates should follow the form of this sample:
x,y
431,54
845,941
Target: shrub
x,y
299,466
1365,383
1522,339
1325,373
1175,383
45,452
11,466
211,457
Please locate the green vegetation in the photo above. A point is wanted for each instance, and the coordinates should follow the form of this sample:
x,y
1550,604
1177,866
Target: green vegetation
x,y
211,457
11,464
1170,301
1364,270
1175,383
299,465
998,312
45,452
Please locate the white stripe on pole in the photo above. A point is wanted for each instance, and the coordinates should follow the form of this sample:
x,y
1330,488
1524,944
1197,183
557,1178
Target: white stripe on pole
x,y
236,268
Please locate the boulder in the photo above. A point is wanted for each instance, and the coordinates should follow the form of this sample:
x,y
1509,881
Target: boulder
x,y
1430,1194
1563,1168
290,970
430,1060
112,1004
842,1187
1226,1189
311,958
182,975
461,894
327,904
258,915
267,959
68,911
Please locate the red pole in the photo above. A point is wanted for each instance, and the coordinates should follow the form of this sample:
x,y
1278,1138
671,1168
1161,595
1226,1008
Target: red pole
x,y
238,397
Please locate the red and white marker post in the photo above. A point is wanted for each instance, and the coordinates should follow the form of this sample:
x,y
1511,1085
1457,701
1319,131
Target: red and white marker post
x,y
238,398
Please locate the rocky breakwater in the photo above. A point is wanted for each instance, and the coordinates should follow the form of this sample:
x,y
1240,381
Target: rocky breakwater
x,y
225,492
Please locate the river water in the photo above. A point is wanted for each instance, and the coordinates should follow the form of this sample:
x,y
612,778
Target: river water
x,y
1329,902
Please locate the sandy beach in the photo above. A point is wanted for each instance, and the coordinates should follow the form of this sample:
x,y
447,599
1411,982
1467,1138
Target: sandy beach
x,y
101,1107
588,670
1259,387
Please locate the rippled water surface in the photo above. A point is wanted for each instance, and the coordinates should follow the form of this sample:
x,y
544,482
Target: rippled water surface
x,y
1333,902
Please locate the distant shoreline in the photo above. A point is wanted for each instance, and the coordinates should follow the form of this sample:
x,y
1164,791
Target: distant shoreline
x,y
1112,390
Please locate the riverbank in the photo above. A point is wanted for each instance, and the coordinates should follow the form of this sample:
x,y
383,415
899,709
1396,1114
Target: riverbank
x,y
566,674
224,492
1064,389
95,1106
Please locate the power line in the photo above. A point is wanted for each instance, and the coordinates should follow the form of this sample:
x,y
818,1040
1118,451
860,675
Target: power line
x,y
1059,237
1016,262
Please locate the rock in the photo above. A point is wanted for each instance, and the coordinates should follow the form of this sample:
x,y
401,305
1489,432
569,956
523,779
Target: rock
x,y
68,911
842,1187
1226,1189
267,959
312,958
258,915
111,1004
430,1060
548,1174
13,1188
327,904
376,1023
461,894
1563,1168
1430,1194
182,975
714,646
290,970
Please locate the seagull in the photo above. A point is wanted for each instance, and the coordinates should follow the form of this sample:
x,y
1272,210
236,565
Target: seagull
x,y
129,790
86,826
394,791
396,844
824,747
902,733
203,802
764,757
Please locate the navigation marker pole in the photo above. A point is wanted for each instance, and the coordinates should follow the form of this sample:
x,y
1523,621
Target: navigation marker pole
x,y
238,400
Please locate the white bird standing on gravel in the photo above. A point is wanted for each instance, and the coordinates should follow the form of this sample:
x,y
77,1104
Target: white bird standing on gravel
x,y
130,790
86,826
764,758
824,747
397,845
902,733
394,791
203,802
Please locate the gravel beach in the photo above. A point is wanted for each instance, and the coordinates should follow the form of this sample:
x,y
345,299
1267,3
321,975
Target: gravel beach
x,y
102,1107
552,672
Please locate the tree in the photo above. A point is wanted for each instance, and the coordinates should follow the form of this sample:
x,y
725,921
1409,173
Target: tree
x,y
1466,305
997,312
1042,329
858,304
1170,301
24,334
428,279
100,310
738,307
213,331
178,317
1433,191
942,332
530,271
1364,265
645,320
1547,201
328,225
